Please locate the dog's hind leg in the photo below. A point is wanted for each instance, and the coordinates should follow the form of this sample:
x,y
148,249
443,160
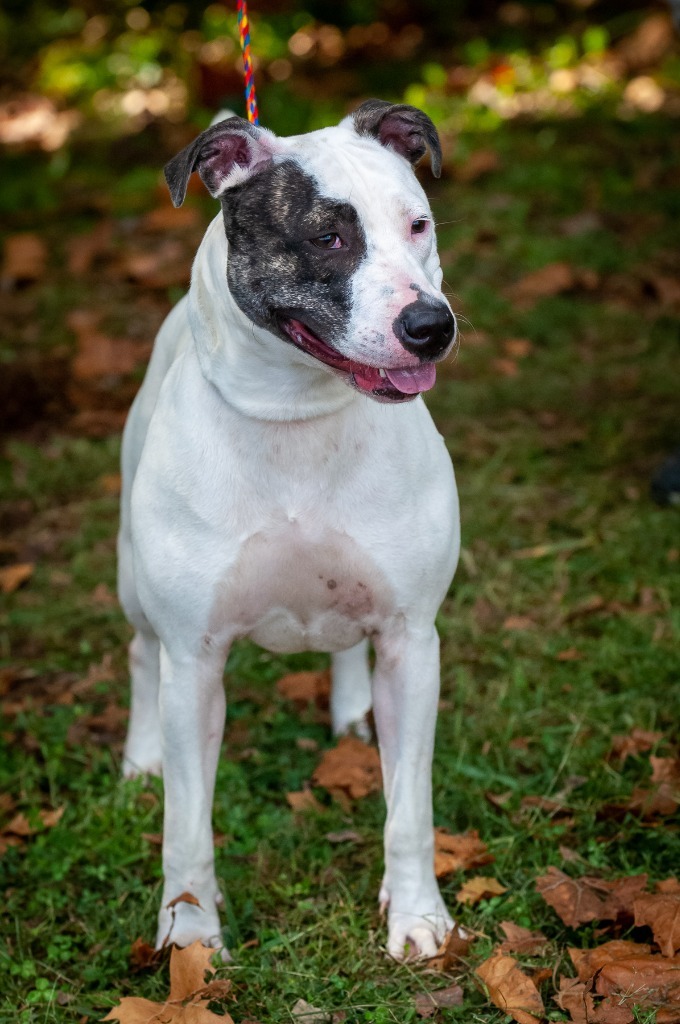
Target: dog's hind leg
x,y
143,754
351,691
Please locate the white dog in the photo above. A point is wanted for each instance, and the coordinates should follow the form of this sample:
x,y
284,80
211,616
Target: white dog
x,y
283,480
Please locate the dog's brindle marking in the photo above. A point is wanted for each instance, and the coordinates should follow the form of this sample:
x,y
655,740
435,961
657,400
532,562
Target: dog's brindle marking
x,y
274,271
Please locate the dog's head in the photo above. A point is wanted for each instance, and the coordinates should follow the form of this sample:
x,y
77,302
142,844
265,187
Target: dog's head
x,y
331,241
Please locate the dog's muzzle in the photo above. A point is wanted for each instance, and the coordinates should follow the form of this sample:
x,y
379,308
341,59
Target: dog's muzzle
x,y
426,330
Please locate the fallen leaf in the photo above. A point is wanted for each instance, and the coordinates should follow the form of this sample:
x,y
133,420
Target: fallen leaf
x,y
511,990
646,981
352,768
505,367
306,688
185,897
665,769
576,999
458,852
452,952
517,348
143,956
25,259
479,888
569,654
580,900
661,801
189,995
303,801
13,576
638,741
588,961
84,250
668,885
553,279
521,940
477,164
309,1014
661,913
519,623
427,1003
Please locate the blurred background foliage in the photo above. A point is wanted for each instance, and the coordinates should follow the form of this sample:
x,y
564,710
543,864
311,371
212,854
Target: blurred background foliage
x,y
105,70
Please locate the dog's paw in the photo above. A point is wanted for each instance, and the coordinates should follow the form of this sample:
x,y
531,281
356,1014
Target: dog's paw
x,y
142,767
182,922
415,928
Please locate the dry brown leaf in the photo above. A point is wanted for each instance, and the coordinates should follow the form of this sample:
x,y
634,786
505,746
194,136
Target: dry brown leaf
x,y
511,990
569,654
100,356
638,741
477,164
517,348
668,885
521,940
167,218
458,852
189,993
25,258
452,952
84,250
576,999
647,981
352,768
553,279
588,961
13,576
519,623
303,801
661,913
184,897
660,801
479,888
505,367
20,825
427,1003
309,1014
143,956
665,769
306,688
580,900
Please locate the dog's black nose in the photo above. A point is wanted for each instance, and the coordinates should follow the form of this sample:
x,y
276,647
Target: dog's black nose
x,y
425,329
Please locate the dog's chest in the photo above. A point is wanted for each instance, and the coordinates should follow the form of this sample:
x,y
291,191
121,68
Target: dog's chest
x,y
300,587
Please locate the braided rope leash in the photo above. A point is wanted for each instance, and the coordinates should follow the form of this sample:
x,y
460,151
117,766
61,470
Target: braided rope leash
x,y
249,78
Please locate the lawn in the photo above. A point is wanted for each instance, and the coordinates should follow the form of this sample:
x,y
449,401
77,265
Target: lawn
x,y
560,636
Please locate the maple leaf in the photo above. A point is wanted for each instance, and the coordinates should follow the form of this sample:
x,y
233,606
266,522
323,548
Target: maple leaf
x,y
352,768
511,989
521,940
189,993
576,999
458,852
661,912
479,888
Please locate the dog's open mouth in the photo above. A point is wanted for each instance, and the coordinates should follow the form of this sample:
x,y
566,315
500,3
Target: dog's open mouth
x,y
385,384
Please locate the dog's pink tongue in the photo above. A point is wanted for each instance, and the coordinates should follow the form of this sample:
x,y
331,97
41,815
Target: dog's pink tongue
x,y
413,381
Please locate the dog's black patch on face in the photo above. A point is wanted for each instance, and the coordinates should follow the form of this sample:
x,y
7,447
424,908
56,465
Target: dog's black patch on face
x,y
274,271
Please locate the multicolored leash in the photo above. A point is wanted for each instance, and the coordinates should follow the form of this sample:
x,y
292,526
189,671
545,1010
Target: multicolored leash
x,y
244,33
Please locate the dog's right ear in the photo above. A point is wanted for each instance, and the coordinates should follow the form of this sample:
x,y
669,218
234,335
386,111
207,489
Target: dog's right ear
x,y
224,154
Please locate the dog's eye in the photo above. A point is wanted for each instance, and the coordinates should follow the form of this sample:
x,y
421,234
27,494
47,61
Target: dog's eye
x,y
419,226
329,241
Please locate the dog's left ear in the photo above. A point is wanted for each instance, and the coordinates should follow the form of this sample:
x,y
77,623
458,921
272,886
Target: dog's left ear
x,y
406,130
224,154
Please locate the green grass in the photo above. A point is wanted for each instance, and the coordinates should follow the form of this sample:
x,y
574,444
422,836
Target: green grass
x,y
559,455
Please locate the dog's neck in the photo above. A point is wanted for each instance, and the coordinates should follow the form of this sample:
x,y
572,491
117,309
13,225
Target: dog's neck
x,y
258,374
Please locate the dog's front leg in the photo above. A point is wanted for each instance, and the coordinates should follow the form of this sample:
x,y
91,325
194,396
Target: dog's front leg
x,y
192,710
405,698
